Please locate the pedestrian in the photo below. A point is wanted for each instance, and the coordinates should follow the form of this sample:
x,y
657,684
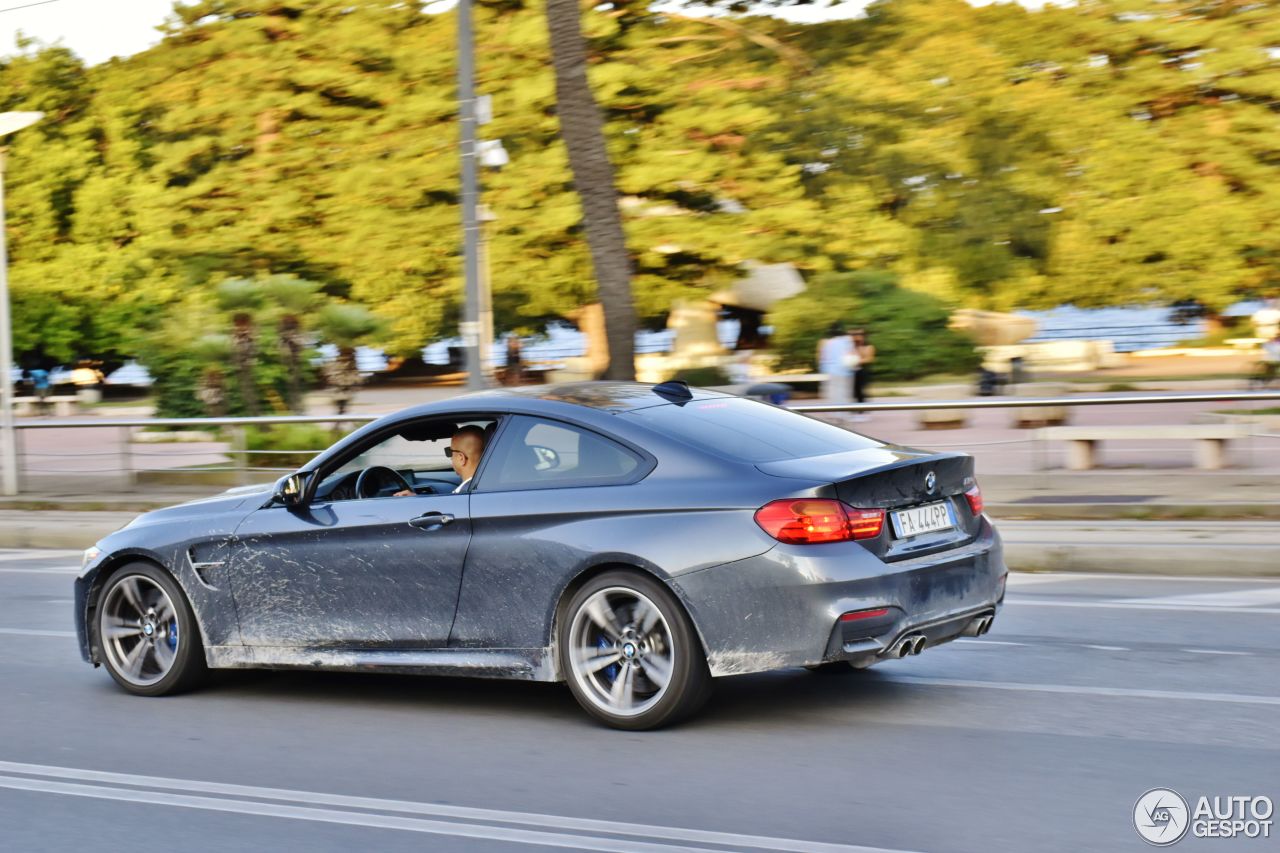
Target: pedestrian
x,y
1270,366
862,355
41,387
513,374
834,353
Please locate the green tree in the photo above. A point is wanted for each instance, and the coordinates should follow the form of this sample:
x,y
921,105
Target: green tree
x,y
908,329
345,326
294,299
1109,152
241,298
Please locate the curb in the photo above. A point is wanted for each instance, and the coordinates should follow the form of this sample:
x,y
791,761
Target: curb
x,y
1115,559
1134,511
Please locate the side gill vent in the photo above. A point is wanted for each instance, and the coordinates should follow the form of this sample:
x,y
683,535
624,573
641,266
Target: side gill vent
x,y
207,559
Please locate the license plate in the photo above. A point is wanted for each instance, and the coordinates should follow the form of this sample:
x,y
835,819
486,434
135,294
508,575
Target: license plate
x,y
921,519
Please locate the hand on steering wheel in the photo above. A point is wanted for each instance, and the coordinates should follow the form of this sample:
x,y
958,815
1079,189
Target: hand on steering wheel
x,y
376,478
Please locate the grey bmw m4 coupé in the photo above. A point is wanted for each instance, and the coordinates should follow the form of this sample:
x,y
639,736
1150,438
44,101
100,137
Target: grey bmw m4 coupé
x,y
634,541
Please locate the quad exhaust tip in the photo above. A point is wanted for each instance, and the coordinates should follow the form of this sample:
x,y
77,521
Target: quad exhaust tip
x,y
912,644
978,626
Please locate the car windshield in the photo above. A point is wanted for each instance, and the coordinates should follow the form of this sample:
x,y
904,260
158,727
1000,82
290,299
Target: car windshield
x,y
401,454
750,431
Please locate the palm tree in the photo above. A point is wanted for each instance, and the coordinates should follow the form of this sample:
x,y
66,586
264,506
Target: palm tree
x,y
211,390
241,297
295,297
582,129
345,325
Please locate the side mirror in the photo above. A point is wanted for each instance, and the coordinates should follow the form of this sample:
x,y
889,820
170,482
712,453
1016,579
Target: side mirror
x,y
289,490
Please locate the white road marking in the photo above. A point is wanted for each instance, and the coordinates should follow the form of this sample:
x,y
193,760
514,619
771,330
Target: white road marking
x,y
1016,577
969,641
69,571
350,810
36,632
1125,605
1234,598
1035,579
14,554
1084,690
437,827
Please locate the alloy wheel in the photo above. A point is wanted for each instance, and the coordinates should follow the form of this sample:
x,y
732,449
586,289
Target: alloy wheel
x,y
621,651
139,628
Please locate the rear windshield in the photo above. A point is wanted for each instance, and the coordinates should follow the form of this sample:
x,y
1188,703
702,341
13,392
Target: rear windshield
x,y
750,431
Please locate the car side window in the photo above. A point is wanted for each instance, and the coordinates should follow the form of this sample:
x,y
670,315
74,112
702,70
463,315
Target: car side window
x,y
417,453
534,453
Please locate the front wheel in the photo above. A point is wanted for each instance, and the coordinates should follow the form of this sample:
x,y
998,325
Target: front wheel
x,y
147,632
630,653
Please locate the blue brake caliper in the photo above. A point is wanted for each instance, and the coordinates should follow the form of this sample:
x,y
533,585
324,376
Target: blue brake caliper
x,y
173,636
610,671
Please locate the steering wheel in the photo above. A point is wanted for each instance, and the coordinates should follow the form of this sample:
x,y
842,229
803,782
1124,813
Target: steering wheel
x,y
375,479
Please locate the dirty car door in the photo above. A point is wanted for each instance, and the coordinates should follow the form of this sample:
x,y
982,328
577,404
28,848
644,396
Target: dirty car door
x,y
374,573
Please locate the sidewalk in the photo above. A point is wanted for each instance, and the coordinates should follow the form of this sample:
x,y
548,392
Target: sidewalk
x,y
1226,548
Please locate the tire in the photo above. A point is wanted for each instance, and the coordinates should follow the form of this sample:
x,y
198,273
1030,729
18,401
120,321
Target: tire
x,y
630,653
147,633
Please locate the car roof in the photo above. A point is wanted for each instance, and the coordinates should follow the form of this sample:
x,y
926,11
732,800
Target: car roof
x,y
612,397
591,400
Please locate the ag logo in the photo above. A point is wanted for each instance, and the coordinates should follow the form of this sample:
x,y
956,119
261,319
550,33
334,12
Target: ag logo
x,y
1161,817
930,481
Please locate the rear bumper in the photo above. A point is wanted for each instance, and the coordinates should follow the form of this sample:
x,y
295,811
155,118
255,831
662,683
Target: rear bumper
x,y
782,608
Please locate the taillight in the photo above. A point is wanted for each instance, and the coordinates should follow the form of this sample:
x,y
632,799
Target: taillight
x,y
865,523
808,521
974,497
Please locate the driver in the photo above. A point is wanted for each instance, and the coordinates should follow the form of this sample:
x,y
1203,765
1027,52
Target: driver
x,y
464,451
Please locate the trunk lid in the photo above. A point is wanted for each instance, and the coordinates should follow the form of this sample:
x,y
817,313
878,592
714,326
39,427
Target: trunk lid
x,y
895,479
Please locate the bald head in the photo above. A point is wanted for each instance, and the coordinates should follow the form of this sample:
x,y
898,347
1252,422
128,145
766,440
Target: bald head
x,y
468,445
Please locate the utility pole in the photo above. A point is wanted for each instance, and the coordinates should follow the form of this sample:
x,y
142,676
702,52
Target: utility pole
x,y
470,326
9,123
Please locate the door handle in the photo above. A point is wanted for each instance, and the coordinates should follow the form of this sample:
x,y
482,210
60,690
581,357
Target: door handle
x,y
431,520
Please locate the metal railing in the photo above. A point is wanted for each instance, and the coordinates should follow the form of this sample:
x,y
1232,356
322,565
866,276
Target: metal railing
x,y
124,454
1020,402
227,460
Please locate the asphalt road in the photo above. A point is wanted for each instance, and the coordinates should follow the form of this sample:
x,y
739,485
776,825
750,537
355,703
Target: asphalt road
x,y
1089,691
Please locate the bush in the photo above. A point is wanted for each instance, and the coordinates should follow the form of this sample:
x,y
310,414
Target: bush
x,y
908,329
703,377
294,444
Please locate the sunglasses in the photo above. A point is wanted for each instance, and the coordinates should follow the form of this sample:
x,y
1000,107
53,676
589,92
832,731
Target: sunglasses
x,y
449,451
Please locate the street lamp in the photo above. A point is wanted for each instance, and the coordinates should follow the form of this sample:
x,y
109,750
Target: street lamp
x,y
9,123
476,328
470,325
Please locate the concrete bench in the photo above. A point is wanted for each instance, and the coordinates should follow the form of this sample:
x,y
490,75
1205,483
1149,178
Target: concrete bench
x,y
1082,441
64,405
1041,416
942,418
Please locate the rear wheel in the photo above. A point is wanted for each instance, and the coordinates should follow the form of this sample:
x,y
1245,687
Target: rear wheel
x,y
630,653
147,632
